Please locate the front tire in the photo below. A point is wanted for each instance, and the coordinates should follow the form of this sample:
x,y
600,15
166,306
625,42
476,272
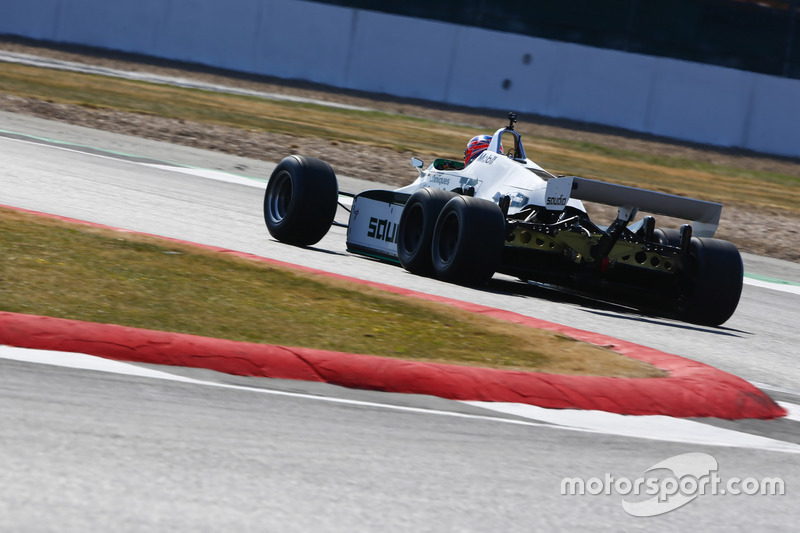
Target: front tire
x,y
468,241
301,200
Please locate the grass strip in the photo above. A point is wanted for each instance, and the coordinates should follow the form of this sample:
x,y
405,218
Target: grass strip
x,y
418,136
54,268
372,128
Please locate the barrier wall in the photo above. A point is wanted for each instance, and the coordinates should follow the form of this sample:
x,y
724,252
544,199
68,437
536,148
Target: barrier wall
x,y
408,57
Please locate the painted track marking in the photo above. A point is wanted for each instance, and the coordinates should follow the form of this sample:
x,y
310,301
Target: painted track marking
x,y
660,428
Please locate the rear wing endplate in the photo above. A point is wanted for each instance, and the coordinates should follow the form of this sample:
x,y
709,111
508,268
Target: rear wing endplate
x,y
704,215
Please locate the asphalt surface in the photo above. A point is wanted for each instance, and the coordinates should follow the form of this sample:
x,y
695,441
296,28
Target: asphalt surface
x,y
101,450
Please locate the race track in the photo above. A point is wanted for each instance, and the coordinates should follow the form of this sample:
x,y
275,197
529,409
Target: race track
x,y
137,450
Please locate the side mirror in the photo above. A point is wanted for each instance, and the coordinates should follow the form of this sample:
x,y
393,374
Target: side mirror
x,y
416,163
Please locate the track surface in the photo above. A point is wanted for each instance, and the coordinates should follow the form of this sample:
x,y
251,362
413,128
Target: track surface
x,y
136,452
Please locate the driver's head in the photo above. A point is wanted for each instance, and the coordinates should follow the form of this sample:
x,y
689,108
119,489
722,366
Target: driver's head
x,y
476,146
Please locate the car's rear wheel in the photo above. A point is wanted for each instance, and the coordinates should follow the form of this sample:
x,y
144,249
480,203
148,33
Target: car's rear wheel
x,y
415,230
301,200
668,236
711,277
468,241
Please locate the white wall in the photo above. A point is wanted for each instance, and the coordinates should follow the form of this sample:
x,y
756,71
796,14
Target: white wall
x,y
408,57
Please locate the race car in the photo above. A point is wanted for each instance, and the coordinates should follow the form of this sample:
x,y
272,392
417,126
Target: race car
x,y
503,213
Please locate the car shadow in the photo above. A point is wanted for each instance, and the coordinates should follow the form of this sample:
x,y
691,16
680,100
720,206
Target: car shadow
x,y
313,248
603,308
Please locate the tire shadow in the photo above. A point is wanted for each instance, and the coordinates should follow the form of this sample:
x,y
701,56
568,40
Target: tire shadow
x,y
598,307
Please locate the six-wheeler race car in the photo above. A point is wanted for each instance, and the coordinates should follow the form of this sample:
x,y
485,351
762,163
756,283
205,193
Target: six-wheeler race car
x,y
503,213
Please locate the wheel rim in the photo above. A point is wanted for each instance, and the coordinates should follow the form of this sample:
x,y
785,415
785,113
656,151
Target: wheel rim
x,y
280,197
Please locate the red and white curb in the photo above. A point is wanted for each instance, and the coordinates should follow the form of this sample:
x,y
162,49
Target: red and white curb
x,y
692,389
658,428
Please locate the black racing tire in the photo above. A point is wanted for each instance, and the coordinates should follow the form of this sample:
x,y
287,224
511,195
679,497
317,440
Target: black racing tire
x,y
301,200
711,277
468,241
667,236
415,230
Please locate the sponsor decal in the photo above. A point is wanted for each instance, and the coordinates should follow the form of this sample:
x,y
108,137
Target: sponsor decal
x,y
487,157
557,193
438,179
556,201
382,229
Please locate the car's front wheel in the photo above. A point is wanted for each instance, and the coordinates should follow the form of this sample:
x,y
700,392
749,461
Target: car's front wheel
x,y
468,241
301,200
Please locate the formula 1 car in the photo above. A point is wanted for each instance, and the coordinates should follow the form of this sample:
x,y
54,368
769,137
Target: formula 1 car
x,y
503,213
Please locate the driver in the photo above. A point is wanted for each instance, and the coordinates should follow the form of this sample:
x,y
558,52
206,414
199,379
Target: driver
x,y
476,146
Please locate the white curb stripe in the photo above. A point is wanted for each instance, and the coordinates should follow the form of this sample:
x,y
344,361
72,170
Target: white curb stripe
x,y
661,428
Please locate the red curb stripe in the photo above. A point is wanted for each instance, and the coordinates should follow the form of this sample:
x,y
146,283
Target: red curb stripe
x,y
692,389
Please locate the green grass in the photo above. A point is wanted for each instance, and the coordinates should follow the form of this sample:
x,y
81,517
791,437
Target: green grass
x,y
80,272
670,174
246,112
674,162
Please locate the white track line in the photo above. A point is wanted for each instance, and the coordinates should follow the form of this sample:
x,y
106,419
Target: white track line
x,y
660,428
663,428
782,287
794,410
43,62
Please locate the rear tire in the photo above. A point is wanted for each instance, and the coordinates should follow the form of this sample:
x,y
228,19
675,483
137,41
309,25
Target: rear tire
x,y
301,200
468,241
668,236
416,226
711,277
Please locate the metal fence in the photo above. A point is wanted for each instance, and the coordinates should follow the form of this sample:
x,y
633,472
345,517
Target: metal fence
x,y
753,35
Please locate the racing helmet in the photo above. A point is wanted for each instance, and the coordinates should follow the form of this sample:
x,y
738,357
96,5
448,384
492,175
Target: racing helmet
x,y
476,146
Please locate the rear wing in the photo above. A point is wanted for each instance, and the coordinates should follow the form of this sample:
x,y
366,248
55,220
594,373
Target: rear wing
x,y
704,215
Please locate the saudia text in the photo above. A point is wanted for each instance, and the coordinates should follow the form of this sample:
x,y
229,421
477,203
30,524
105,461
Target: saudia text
x,y
383,230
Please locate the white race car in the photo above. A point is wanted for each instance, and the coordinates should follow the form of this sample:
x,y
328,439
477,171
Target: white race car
x,y
504,213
